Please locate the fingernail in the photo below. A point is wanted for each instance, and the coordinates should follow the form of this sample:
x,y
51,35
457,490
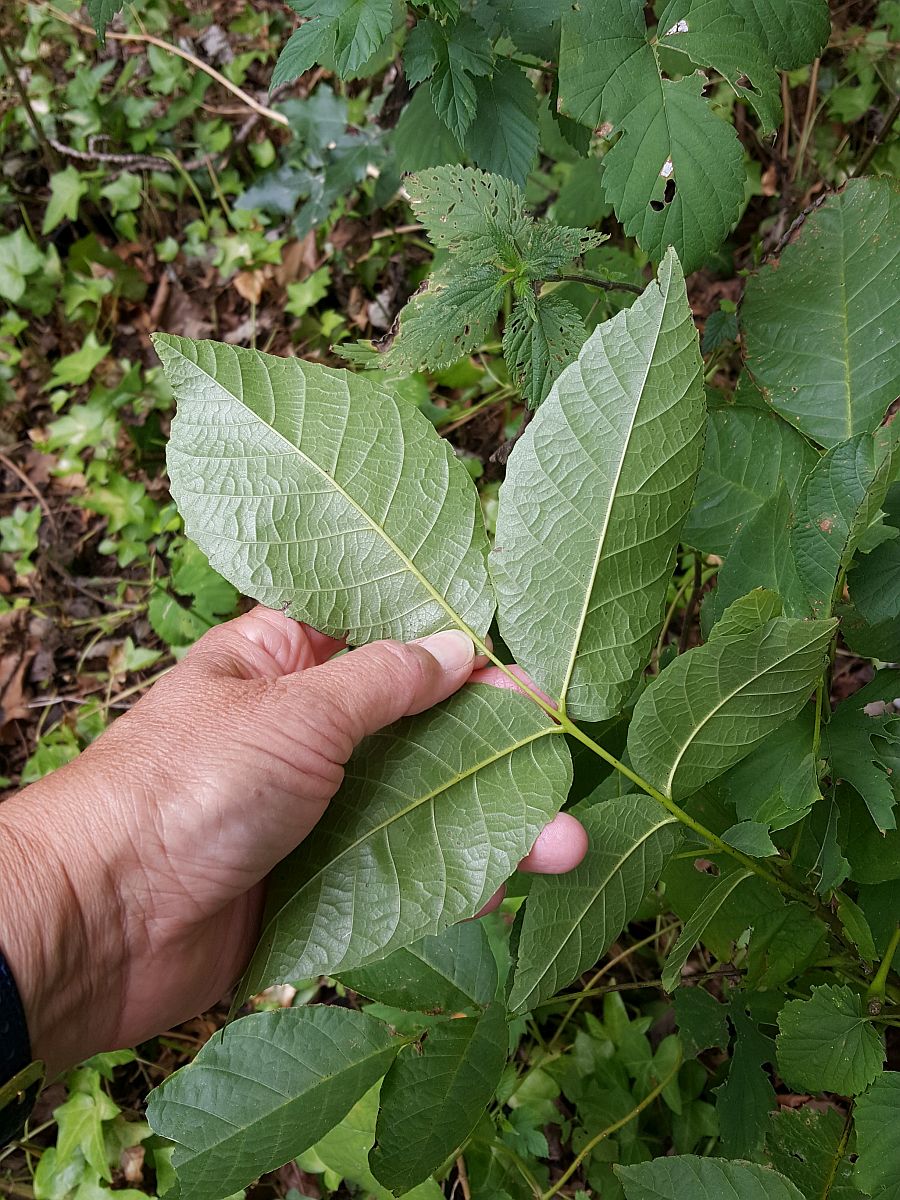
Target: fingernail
x,y
452,648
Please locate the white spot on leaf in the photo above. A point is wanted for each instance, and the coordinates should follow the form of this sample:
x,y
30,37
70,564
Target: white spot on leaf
x,y
678,27
667,168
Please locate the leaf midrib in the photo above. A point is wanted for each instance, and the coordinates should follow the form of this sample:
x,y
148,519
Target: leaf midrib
x,y
725,699
381,532
613,496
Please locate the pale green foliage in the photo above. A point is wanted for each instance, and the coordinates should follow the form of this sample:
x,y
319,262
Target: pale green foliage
x,y
433,1095
571,920
271,462
579,518
827,1043
821,325
434,815
678,1178
300,1071
540,339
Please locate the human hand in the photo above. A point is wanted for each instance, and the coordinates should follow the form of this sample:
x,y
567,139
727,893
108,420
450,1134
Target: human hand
x,y
134,877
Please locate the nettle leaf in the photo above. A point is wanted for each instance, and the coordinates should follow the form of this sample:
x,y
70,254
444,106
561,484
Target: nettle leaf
x,y
695,926
827,1043
677,1177
831,516
452,57
676,175
539,344
433,1096
571,920
453,970
709,708
822,324
876,1119
595,494
808,1147
792,33
434,814
503,138
421,139
863,743
747,453
303,486
101,13
269,1087
345,32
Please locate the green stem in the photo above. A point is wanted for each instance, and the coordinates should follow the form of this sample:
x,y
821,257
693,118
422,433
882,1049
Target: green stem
x,y
878,986
817,727
610,1130
838,1154
608,285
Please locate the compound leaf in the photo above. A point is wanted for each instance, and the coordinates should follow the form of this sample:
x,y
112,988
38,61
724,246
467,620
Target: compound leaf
x,y
827,1043
433,1096
269,1087
303,486
571,920
713,705
677,1177
747,453
538,345
452,970
595,494
822,324
434,814
876,1119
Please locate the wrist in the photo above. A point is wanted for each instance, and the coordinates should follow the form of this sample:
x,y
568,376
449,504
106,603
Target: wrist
x,y
59,926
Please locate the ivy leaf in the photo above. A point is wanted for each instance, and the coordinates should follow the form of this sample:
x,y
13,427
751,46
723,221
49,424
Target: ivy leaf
x,y
299,1070
577,519
433,1096
347,32
747,453
452,57
571,920
677,1177
194,599
434,814
876,1119
695,926
66,189
504,136
822,325
712,706
538,345
303,487
454,969
826,523
808,1148
863,741
676,175
827,1043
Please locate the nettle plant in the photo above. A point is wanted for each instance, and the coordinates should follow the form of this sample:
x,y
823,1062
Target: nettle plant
x,y
328,494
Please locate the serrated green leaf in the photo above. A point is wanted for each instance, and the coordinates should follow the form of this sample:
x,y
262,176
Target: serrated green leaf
x,y
713,705
433,1096
746,1098
503,138
747,453
827,1043
579,517
822,325
864,745
453,57
794,33
469,212
434,814
876,1119
538,346
695,926
571,920
346,31
269,1087
450,971
421,139
809,1148
683,1176
101,13
676,175
271,462
827,517
759,556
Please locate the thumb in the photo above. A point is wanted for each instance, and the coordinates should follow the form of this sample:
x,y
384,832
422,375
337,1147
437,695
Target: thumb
x,y
371,687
